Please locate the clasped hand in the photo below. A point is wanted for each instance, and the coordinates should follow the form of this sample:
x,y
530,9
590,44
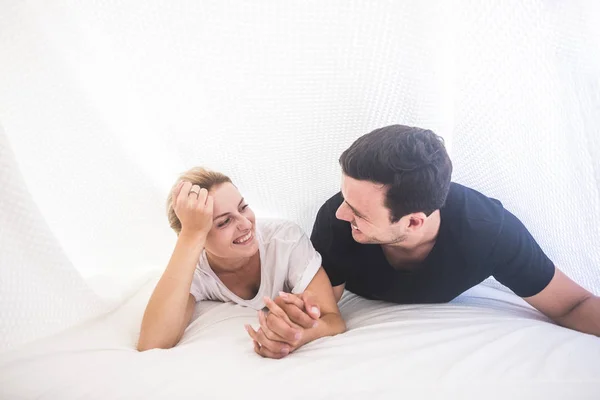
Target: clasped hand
x,y
290,323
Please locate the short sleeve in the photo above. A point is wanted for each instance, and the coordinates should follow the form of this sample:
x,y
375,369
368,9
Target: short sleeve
x,y
519,262
304,262
197,289
322,239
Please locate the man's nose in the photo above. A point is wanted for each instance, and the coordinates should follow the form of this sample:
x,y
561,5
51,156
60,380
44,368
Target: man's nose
x,y
342,213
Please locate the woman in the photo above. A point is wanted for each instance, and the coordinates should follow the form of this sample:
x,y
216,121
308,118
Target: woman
x,y
222,254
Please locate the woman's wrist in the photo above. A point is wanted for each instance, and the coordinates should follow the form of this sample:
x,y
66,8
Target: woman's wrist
x,y
192,237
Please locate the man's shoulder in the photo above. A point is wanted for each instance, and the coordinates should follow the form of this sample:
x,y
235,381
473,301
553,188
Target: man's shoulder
x,y
331,205
329,232
326,219
470,217
464,202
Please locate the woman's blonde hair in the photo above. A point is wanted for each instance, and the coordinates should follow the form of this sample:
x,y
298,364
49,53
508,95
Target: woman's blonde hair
x,y
197,176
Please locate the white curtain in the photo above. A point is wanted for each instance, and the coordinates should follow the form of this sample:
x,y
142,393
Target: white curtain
x,y
104,103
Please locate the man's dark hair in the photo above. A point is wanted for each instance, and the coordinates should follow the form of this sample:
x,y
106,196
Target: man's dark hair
x,y
412,162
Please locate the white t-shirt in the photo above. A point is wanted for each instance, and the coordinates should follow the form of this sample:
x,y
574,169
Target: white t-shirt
x,y
288,263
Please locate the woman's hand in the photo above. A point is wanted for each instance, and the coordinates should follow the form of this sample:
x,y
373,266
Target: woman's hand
x,y
294,320
278,342
194,208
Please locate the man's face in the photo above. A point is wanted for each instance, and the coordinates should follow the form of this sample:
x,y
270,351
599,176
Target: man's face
x,y
364,207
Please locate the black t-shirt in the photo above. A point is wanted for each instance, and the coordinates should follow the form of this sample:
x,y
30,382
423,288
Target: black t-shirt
x,y
477,239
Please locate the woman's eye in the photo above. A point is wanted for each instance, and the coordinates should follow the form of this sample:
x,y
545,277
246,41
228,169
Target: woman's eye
x,y
222,224
244,207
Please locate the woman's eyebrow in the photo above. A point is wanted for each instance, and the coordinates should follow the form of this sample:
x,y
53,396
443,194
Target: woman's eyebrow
x,y
227,213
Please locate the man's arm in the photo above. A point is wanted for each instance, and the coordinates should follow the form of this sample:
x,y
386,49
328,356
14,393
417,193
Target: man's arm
x,y
522,266
338,291
568,304
324,298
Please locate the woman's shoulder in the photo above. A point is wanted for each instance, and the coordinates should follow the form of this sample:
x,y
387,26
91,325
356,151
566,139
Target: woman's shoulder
x,y
279,229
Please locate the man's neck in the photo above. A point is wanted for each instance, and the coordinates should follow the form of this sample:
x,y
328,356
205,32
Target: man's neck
x,y
415,249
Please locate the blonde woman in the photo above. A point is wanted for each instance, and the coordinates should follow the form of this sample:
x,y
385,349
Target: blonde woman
x,y
223,254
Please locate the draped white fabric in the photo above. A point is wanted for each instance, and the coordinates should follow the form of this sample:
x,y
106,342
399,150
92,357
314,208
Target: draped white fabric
x,y
104,103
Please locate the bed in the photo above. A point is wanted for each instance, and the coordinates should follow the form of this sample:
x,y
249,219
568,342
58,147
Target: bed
x,y
487,343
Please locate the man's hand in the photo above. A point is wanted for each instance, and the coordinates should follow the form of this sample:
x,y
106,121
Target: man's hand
x,y
301,310
294,320
277,335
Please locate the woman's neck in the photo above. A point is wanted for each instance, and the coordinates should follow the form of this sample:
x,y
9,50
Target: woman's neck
x,y
241,276
227,265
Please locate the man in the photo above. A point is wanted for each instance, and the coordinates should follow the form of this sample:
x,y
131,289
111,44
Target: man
x,y
401,231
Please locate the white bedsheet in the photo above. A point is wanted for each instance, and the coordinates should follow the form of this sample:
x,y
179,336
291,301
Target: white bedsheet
x,y
488,343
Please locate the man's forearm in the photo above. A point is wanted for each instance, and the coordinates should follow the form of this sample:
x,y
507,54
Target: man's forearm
x,y
328,325
585,317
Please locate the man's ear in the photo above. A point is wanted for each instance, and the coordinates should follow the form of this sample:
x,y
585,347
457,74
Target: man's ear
x,y
416,220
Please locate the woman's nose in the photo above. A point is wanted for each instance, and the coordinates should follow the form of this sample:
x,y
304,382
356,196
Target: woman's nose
x,y
245,224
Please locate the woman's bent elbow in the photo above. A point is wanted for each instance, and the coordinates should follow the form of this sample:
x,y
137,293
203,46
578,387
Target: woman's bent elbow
x,y
144,345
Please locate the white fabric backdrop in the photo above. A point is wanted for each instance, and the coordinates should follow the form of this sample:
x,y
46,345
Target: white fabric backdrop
x,y
104,103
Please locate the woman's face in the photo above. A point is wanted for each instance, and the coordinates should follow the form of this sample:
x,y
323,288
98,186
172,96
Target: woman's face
x,y
233,232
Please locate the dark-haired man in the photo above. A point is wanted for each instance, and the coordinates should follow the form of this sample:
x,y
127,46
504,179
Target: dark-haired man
x,y
401,231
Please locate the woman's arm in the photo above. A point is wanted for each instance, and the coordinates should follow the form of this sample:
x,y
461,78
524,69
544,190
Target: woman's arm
x,y
171,305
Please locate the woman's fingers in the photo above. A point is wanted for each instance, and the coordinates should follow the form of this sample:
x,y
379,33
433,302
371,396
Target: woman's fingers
x,y
272,345
290,298
194,191
265,347
275,309
193,206
176,191
276,329
294,310
202,197
193,196
184,191
282,331
257,348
